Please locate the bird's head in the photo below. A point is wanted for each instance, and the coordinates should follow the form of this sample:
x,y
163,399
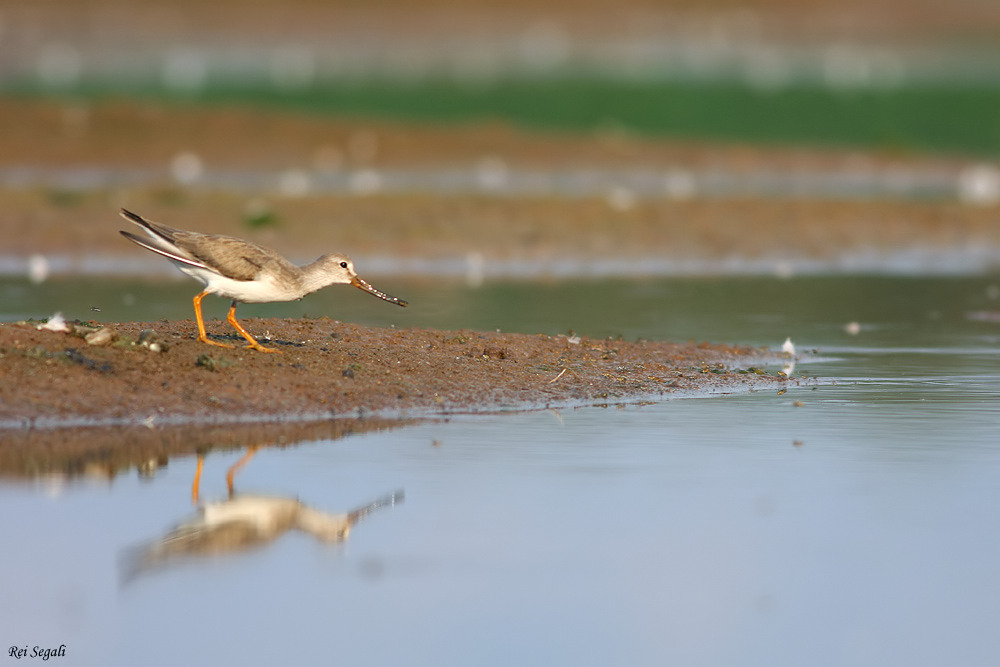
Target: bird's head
x,y
340,269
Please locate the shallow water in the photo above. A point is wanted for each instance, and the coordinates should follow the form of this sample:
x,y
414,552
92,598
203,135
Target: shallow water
x,y
846,523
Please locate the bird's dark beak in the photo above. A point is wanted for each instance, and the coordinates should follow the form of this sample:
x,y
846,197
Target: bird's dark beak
x,y
361,284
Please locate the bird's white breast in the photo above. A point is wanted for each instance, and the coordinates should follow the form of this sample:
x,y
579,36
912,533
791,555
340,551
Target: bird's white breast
x,y
262,290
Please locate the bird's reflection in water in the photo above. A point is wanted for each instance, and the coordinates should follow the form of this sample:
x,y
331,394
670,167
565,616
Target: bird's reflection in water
x,y
240,523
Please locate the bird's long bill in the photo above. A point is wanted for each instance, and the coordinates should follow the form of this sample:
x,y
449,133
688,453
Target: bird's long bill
x,y
361,284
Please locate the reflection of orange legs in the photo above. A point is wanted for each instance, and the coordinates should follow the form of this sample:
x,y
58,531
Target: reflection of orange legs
x,y
202,336
236,466
195,486
239,327
197,480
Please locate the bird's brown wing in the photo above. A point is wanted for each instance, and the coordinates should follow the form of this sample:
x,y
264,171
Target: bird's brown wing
x,y
230,256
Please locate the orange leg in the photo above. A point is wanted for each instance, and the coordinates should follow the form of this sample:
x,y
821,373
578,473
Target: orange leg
x,y
246,334
197,480
236,466
202,336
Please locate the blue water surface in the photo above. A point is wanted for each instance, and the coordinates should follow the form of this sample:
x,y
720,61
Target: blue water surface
x,y
849,521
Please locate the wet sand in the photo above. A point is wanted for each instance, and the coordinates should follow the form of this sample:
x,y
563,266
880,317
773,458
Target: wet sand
x,y
138,399
328,368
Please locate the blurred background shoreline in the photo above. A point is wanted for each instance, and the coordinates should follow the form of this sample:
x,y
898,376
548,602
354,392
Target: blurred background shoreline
x,y
663,137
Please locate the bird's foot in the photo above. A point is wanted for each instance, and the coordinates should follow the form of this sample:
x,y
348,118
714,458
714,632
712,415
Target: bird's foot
x,y
261,348
206,339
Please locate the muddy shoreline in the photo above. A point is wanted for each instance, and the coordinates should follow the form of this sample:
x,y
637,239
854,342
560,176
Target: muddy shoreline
x,y
142,371
331,377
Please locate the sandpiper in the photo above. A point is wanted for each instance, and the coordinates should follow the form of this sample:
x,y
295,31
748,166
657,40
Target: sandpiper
x,y
244,271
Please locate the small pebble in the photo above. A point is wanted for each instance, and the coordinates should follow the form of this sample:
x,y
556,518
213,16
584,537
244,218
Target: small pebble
x,y
102,336
152,341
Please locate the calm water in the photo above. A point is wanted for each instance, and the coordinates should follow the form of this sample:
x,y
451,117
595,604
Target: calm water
x,y
849,523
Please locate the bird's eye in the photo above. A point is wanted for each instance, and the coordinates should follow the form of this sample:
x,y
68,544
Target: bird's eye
x,y
343,265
